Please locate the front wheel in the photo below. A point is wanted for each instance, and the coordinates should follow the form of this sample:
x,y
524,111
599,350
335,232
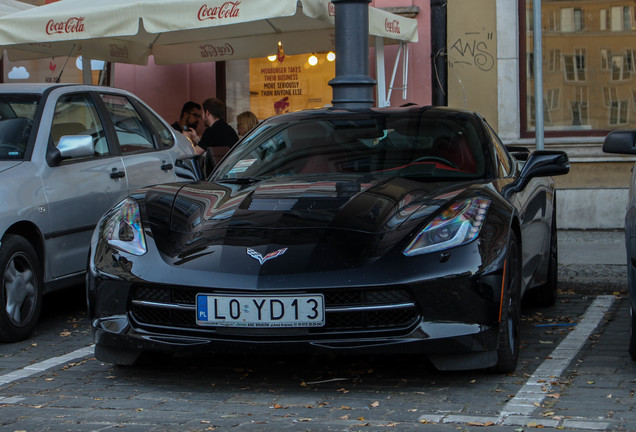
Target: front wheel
x,y
21,288
546,294
510,318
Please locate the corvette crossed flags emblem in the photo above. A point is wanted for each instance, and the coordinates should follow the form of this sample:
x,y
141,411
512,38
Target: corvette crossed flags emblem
x,y
261,259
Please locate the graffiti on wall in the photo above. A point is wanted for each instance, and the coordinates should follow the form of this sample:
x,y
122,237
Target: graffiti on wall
x,y
472,49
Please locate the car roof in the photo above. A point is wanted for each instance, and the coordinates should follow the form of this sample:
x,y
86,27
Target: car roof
x,y
39,88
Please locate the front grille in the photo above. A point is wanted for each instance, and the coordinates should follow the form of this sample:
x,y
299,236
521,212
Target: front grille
x,y
346,310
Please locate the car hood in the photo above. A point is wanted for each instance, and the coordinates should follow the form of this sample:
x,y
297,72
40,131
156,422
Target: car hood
x,y
338,217
5,165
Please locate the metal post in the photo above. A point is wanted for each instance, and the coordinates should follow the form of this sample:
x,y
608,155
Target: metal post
x,y
379,73
538,75
352,86
87,71
438,44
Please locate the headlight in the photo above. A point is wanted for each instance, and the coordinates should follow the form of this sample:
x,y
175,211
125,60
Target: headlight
x,y
458,224
122,228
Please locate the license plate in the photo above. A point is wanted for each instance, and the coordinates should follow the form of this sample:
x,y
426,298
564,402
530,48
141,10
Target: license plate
x,y
260,311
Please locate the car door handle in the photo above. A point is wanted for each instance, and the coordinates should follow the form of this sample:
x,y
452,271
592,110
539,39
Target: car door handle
x,y
117,174
166,166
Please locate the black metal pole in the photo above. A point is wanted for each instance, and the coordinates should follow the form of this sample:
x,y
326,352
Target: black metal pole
x,y
352,86
438,46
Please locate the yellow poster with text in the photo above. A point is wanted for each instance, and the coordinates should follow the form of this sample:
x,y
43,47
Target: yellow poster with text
x,y
289,83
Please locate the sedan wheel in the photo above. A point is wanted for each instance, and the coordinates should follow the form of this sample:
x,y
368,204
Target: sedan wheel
x,y
508,351
21,293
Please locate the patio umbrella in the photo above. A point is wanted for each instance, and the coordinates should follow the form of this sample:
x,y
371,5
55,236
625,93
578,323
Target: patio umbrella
x,y
185,31
12,6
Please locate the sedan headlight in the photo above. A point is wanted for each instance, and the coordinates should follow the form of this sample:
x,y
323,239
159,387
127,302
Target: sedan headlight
x,y
458,224
122,228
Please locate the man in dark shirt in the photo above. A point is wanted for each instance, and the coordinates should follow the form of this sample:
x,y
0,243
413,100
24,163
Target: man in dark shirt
x,y
190,116
218,136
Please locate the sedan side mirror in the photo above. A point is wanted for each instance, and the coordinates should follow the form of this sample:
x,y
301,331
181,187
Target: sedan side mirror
x,y
69,147
620,141
541,163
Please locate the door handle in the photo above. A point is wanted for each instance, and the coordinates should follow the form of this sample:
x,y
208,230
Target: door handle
x,y
117,174
166,166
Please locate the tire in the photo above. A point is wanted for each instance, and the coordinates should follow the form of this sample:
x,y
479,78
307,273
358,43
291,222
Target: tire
x,y
632,333
20,288
510,323
545,295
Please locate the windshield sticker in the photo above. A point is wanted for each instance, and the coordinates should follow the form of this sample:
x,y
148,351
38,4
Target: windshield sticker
x,y
242,166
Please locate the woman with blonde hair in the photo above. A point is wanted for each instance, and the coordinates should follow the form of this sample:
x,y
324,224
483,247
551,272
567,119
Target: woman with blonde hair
x,y
245,121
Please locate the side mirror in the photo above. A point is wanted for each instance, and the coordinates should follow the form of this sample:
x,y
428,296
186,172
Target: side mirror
x,y
620,141
70,147
518,152
541,163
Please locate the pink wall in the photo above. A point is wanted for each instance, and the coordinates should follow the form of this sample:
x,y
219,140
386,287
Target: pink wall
x,y
166,88
419,72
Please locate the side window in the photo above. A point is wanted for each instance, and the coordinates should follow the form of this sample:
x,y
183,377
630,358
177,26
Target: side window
x,y
75,114
132,132
504,164
166,139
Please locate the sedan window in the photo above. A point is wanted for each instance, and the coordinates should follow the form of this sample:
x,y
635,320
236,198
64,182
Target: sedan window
x,y
75,114
132,132
16,119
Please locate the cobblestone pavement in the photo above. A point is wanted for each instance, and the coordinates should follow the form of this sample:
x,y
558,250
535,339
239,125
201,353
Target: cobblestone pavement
x,y
574,374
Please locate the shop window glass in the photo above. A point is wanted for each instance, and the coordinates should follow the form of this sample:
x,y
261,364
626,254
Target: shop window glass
x,y
589,83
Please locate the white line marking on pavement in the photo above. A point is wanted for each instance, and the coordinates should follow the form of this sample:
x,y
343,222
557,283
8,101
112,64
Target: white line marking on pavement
x,y
46,364
518,410
538,385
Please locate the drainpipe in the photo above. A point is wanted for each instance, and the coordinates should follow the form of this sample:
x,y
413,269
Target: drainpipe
x,y
439,74
352,86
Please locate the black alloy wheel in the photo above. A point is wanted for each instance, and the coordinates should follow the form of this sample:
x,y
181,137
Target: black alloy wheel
x,y
632,333
21,288
509,325
546,294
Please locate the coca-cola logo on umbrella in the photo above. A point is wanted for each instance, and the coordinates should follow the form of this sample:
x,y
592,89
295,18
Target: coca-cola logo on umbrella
x,y
392,26
225,11
72,25
117,51
211,51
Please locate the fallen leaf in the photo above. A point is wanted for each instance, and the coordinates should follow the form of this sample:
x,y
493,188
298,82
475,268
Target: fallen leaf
x,y
344,417
361,418
344,407
553,395
65,333
375,404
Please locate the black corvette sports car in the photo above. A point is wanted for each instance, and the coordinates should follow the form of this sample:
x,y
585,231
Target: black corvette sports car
x,y
410,230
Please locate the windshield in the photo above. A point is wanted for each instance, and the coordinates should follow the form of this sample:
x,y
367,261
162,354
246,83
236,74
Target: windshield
x,y
16,119
433,147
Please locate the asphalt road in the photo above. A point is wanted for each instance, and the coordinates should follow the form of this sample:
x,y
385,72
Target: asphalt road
x,y
574,374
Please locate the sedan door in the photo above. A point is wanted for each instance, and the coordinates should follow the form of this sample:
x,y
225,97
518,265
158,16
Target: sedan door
x,y
78,190
146,160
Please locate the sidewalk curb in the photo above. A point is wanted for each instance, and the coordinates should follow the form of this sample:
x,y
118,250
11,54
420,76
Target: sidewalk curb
x,y
596,279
